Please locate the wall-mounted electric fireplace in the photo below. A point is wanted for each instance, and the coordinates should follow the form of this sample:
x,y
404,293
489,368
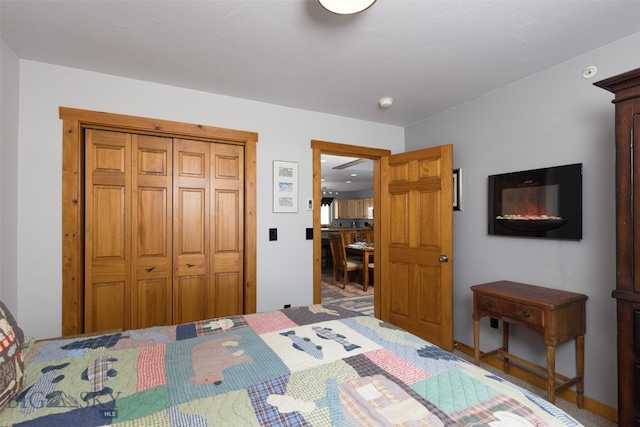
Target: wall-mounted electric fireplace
x,y
537,203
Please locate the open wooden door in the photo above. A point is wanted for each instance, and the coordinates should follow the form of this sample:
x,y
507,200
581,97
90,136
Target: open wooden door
x,y
416,243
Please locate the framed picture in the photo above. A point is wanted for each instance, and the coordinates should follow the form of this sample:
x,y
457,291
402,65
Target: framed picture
x,y
285,186
457,189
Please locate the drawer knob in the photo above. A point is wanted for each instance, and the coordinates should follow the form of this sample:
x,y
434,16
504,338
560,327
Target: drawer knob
x,y
150,269
526,314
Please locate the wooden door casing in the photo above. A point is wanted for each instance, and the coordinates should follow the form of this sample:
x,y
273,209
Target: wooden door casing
x,y
75,124
375,154
417,205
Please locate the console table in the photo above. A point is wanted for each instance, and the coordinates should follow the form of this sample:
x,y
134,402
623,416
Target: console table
x,y
555,315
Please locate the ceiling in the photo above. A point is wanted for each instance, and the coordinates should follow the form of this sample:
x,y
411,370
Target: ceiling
x,y
429,55
343,179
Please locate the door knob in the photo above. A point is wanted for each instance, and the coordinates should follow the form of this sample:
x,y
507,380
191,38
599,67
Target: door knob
x,y
444,258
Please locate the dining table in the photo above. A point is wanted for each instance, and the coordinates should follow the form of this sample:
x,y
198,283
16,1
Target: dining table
x,y
364,250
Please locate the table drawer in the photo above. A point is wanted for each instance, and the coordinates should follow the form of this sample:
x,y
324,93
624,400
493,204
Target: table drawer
x,y
519,312
524,313
490,304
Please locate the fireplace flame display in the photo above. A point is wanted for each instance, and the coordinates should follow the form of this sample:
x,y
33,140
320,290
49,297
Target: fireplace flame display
x,y
530,203
533,203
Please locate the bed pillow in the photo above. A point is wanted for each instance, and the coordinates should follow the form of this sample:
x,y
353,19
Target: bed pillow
x,y
11,363
4,312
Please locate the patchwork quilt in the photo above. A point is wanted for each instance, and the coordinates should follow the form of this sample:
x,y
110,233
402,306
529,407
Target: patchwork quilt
x,y
305,366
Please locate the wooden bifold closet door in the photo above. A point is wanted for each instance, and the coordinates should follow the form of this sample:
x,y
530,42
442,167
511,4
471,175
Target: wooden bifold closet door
x,y
163,230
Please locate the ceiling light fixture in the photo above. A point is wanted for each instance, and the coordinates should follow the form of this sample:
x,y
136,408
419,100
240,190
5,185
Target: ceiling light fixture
x,y
346,7
385,102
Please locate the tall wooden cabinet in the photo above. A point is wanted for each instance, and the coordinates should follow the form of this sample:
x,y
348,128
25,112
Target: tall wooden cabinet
x,y
626,88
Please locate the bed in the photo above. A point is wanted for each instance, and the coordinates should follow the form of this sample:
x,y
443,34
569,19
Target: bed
x,y
316,365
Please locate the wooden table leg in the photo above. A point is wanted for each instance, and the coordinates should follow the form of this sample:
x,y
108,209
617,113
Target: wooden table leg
x,y
580,369
505,346
551,373
365,270
476,342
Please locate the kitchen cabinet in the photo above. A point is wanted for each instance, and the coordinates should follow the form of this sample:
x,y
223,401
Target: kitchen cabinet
x,y
352,208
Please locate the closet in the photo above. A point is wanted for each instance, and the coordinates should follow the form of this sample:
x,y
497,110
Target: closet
x,y
164,214
626,88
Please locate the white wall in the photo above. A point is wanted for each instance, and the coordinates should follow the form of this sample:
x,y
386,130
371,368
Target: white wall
x,y
9,77
284,267
553,118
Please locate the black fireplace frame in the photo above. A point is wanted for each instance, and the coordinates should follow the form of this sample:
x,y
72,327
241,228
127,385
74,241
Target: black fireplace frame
x,y
566,223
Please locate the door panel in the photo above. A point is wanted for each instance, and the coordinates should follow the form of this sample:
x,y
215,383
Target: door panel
x,y
191,230
227,220
152,300
417,229
107,230
152,217
189,305
191,225
106,308
227,295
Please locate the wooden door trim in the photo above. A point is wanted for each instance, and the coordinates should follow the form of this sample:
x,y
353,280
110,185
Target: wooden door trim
x,y
334,148
74,123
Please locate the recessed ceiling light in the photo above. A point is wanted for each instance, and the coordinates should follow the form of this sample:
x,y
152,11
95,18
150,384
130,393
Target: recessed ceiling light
x,y
385,102
354,174
589,72
348,182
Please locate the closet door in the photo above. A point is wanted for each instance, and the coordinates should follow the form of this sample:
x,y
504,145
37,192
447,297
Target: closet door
x,y
191,230
107,230
152,218
164,230
227,212
208,230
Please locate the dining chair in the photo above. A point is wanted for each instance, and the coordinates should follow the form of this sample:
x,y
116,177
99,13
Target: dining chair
x,y
366,236
349,236
342,265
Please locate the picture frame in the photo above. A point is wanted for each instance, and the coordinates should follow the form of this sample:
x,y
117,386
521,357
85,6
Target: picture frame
x,y
457,189
285,186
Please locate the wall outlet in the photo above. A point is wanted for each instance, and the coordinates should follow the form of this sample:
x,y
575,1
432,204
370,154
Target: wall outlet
x,y
494,323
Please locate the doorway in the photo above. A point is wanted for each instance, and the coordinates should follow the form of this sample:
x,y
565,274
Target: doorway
x,y
322,147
